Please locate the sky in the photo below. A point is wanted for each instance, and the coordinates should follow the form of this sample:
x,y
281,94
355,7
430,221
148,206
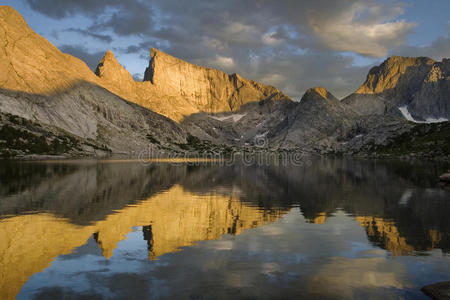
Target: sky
x,y
290,44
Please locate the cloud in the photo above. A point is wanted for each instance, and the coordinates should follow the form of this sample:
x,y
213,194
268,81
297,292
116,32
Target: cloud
x,y
359,274
291,44
222,62
121,17
294,74
101,37
274,79
91,59
347,33
439,49
138,77
134,18
66,8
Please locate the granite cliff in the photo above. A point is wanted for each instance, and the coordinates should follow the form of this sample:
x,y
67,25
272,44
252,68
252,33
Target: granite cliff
x,y
177,89
417,88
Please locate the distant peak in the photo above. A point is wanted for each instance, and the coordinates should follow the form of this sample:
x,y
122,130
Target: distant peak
x,y
110,68
318,93
321,91
154,51
109,56
12,16
8,10
386,76
407,60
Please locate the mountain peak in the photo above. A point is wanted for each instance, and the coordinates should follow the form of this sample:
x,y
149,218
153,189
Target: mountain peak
x,y
419,84
321,91
110,69
109,55
107,59
115,75
159,62
318,93
12,16
388,75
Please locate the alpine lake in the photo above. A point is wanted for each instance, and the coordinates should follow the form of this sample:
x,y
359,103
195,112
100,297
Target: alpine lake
x,y
329,228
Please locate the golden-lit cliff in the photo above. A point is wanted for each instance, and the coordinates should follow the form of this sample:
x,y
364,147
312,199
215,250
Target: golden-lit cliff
x,y
176,88
387,233
321,218
178,218
31,64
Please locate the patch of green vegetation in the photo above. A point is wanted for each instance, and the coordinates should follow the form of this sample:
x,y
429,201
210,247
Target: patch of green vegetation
x,y
28,142
430,140
22,136
195,144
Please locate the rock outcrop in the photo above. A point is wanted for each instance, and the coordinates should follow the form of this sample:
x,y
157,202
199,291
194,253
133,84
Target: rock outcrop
x,y
438,291
420,86
318,122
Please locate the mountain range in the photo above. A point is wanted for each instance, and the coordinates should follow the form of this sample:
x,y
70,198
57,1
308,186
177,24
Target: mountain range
x,y
52,103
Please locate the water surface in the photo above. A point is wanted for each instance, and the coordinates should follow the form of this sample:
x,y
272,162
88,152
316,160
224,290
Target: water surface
x,y
330,229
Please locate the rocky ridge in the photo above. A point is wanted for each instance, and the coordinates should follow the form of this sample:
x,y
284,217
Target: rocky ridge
x,y
419,86
177,89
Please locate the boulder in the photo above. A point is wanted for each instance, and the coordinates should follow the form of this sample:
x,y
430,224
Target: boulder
x,y
438,291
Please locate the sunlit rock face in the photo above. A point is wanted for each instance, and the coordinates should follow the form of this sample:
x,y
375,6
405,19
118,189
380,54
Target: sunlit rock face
x,y
171,219
419,84
30,63
175,88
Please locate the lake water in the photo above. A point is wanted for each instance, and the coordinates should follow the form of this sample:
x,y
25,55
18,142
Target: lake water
x,y
328,229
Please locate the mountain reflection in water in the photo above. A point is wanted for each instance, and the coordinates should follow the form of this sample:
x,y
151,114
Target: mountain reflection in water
x,y
52,209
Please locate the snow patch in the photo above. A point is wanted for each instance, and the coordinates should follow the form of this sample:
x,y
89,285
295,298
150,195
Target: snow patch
x,y
234,117
407,115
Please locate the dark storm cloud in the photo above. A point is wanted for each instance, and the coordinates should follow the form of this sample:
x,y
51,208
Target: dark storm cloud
x,y
132,18
65,8
291,44
91,59
101,37
123,17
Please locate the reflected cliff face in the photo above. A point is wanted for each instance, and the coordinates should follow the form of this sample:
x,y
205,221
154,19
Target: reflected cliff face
x,y
121,229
